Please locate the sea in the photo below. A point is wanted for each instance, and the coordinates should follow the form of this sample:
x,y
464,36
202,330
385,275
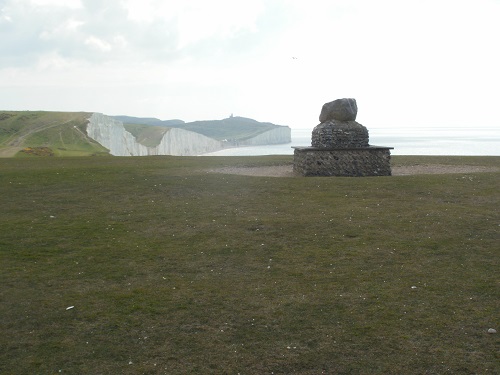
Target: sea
x,y
416,141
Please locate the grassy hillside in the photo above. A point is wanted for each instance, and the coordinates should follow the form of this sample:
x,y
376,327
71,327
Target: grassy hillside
x,y
147,135
148,121
154,265
232,129
46,133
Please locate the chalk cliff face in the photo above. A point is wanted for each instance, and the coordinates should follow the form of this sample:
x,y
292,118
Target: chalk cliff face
x,y
271,137
112,134
184,142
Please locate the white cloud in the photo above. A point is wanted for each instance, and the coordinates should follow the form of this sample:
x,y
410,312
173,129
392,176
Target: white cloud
x,y
69,26
406,62
97,43
222,19
4,18
74,4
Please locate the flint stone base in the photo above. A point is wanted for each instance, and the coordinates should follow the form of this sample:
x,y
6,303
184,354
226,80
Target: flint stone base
x,y
347,162
339,134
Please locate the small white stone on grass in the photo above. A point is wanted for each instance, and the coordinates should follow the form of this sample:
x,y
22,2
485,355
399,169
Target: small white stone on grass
x,y
492,330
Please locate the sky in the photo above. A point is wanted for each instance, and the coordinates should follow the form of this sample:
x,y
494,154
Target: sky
x,y
408,63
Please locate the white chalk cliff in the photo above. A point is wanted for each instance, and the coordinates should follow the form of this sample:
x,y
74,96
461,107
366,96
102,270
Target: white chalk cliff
x,y
271,137
112,134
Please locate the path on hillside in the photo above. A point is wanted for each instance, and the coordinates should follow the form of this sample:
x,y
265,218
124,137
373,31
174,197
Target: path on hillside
x,y
15,143
85,137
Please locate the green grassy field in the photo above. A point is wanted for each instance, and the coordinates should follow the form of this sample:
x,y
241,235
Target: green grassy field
x,y
170,269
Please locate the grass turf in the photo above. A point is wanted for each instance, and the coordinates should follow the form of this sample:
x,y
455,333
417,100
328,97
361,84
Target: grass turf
x,y
63,133
172,269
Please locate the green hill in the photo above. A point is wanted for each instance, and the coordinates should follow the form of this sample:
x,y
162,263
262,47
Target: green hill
x,y
148,121
147,135
232,128
46,133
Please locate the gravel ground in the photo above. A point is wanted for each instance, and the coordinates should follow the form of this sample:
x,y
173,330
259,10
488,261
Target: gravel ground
x,y
286,170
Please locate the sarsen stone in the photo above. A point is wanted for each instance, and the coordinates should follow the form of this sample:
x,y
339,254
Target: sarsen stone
x,y
341,109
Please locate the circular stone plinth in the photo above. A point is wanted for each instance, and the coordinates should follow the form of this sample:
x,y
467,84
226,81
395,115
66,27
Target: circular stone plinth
x,y
339,134
353,162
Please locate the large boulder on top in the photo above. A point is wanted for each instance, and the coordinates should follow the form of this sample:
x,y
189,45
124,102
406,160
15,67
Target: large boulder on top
x,y
341,110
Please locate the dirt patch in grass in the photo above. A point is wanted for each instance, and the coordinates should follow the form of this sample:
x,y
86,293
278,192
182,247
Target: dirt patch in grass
x,y
38,151
287,170
9,151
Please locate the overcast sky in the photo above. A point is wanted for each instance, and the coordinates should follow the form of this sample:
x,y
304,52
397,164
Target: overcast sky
x,y
408,63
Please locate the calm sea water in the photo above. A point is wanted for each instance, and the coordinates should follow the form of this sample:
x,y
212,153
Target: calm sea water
x,y
422,141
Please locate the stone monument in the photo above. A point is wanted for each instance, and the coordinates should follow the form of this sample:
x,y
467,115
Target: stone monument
x,y
340,146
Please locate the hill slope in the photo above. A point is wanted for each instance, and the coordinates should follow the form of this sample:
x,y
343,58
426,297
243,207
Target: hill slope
x,y
232,129
148,121
58,133
147,135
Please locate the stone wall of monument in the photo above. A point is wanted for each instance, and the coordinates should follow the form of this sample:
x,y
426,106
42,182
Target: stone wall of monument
x,y
339,134
371,161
